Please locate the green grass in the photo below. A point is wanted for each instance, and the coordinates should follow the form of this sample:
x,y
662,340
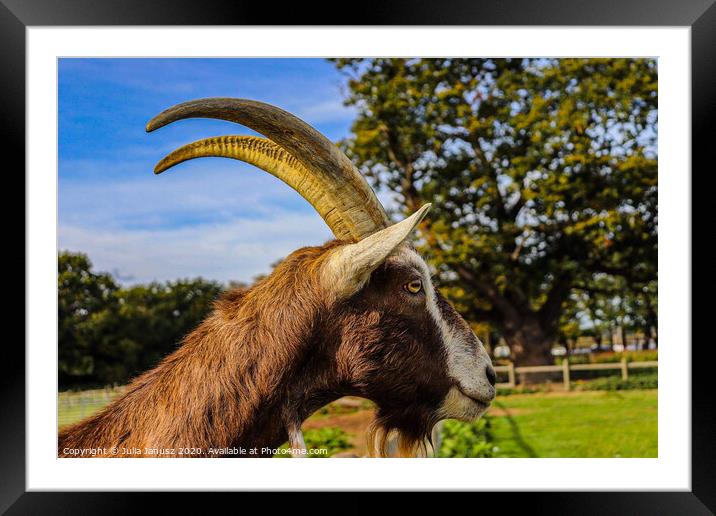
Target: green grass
x,y
73,414
75,406
583,424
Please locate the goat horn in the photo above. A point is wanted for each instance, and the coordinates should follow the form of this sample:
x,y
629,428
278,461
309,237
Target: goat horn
x,y
275,160
350,266
297,154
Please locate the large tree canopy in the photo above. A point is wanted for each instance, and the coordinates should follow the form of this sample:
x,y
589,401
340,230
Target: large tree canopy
x,y
543,175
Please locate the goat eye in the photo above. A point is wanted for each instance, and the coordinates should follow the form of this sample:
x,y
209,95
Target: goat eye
x,y
414,286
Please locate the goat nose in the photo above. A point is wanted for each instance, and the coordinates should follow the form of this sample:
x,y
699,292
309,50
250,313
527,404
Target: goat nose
x,y
491,377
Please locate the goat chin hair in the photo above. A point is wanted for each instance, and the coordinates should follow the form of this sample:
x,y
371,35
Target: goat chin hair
x,y
391,442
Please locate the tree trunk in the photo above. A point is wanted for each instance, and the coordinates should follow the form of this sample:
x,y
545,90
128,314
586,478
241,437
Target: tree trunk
x,y
652,323
529,342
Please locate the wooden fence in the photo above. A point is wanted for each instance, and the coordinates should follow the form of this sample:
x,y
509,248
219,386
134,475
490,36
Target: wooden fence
x,y
566,367
74,406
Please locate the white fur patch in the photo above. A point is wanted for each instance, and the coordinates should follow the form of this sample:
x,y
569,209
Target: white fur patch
x,y
466,364
296,442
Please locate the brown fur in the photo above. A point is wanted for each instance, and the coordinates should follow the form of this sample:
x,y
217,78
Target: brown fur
x,y
269,356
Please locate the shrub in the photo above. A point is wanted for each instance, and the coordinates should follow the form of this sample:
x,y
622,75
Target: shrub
x,y
332,438
574,359
642,380
631,356
467,439
611,357
523,389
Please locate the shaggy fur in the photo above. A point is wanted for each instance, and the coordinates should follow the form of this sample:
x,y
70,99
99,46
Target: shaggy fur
x,y
267,357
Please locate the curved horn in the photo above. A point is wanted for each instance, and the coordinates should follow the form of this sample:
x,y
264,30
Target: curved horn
x,y
275,160
339,187
350,266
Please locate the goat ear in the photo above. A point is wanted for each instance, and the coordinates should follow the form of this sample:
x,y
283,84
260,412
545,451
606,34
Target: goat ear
x,y
350,266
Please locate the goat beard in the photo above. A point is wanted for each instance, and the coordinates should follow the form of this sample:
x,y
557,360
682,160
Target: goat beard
x,y
387,441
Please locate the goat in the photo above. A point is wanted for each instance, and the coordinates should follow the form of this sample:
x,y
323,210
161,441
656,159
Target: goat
x,y
357,316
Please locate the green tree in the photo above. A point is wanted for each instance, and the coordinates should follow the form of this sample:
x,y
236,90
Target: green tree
x,y
109,334
609,304
543,174
155,317
84,297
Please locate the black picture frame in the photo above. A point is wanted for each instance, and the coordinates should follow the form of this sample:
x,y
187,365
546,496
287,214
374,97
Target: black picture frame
x,y
17,15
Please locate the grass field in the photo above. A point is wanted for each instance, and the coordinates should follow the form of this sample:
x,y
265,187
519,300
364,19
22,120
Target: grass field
x,y
543,424
75,406
576,424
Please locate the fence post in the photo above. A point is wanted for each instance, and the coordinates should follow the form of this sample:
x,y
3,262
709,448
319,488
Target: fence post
x,y
511,374
625,369
565,374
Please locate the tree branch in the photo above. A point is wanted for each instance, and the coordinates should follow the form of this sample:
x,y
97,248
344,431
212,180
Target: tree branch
x,y
625,272
596,290
474,141
552,307
500,302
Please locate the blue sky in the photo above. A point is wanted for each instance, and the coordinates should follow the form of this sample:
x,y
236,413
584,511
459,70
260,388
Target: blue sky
x,y
216,218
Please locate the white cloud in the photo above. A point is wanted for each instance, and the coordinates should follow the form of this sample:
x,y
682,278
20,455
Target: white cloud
x,y
235,250
210,190
325,111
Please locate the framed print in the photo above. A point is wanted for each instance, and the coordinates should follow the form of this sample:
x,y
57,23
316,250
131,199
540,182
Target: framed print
x,y
422,244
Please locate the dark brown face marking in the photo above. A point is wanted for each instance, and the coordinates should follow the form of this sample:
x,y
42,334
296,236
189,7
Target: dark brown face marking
x,y
392,350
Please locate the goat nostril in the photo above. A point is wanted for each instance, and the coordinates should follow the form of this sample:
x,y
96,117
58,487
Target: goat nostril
x,y
490,372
